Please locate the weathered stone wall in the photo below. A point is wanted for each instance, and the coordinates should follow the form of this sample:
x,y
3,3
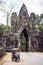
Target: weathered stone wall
x,y
40,41
2,47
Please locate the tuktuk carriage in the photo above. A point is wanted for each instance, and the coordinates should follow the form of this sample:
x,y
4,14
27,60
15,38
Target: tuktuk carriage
x,y
16,54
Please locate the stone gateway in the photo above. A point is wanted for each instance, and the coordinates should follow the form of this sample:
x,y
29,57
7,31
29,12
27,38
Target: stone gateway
x,y
23,24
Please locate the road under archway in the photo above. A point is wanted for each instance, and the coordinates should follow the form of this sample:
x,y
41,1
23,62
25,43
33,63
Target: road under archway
x,y
25,44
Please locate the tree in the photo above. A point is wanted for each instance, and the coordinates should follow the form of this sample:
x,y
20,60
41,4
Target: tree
x,y
2,27
39,21
6,9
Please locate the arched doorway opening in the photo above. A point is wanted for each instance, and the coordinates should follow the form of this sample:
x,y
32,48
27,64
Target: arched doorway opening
x,y
24,40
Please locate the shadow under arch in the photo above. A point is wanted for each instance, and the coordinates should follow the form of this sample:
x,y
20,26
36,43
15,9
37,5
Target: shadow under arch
x,y
25,32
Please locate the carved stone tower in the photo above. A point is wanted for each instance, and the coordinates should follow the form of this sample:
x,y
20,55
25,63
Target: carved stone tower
x,y
13,22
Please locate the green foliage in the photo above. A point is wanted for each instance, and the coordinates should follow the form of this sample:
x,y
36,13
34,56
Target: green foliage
x,y
2,28
37,16
23,40
41,16
23,43
7,26
40,28
38,21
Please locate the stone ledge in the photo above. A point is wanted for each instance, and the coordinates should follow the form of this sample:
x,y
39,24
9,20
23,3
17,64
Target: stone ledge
x,y
4,59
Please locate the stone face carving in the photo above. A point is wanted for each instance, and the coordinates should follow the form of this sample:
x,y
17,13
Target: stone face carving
x,y
13,21
23,16
32,21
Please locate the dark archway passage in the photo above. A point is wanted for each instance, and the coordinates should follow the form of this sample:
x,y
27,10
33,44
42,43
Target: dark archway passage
x,y
25,34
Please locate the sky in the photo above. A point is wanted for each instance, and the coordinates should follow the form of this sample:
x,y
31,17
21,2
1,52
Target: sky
x,y
35,6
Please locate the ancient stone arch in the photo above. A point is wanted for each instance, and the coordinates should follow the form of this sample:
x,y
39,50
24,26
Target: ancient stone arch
x,y
24,32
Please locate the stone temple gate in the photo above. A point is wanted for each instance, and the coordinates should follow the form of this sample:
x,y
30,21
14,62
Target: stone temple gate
x,y
25,24
23,29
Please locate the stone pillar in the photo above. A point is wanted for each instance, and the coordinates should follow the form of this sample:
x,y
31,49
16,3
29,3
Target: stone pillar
x,y
29,43
37,45
19,45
